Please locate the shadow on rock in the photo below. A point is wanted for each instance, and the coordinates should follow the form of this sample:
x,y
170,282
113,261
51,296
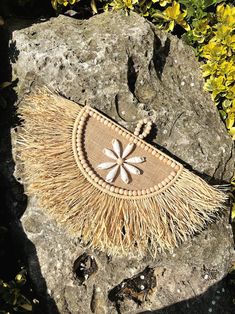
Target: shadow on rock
x,y
16,246
217,299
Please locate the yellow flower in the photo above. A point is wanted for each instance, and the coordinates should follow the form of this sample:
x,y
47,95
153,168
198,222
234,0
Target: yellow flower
x,y
123,4
222,30
162,3
231,92
62,2
232,109
226,104
213,51
232,132
226,14
54,4
215,85
230,120
209,68
227,69
200,30
229,41
175,16
232,218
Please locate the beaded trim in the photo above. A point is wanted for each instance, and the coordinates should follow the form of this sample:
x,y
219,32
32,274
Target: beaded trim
x,y
77,143
146,130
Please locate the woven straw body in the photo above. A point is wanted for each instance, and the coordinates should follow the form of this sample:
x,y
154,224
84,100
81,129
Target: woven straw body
x,y
65,152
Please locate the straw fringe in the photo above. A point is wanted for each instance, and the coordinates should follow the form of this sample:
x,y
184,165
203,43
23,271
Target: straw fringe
x,y
111,224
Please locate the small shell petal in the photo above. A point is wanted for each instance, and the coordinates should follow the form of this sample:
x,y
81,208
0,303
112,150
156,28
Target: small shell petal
x,y
135,160
111,175
109,153
128,150
116,147
106,165
132,169
124,175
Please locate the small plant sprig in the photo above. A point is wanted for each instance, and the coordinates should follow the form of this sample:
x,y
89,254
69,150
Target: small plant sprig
x,y
11,298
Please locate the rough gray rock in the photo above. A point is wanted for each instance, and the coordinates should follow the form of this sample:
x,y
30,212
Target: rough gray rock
x,y
123,67
127,69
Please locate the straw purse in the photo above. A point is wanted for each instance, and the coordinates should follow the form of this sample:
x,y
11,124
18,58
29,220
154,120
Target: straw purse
x,y
106,185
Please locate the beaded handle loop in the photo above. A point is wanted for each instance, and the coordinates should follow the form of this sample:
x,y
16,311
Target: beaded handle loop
x,y
146,130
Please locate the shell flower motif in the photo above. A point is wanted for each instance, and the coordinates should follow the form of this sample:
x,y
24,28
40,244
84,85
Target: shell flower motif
x,y
120,164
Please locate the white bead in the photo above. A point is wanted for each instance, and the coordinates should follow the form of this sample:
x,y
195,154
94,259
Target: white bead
x,y
168,162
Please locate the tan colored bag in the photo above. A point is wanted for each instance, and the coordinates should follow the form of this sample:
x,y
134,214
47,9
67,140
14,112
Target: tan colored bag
x,y
107,185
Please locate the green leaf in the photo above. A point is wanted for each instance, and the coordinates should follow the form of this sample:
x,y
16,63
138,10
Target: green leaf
x,y
27,307
233,212
209,3
5,84
94,7
223,114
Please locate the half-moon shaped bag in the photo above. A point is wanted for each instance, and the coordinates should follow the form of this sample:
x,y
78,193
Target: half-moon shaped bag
x,y
105,184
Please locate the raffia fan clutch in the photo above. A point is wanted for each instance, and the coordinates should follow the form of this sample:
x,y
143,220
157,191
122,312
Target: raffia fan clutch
x,y
105,184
